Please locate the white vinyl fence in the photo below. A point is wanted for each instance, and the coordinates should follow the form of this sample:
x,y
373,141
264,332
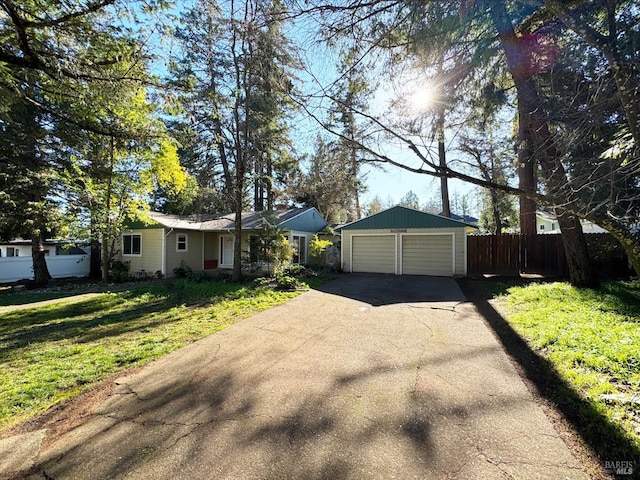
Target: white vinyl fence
x,y
13,269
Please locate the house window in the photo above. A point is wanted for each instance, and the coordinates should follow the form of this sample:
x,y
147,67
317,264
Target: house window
x,y
182,242
132,244
13,252
541,227
254,249
300,245
226,251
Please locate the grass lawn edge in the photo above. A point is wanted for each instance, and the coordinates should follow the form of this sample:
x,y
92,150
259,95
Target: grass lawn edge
x,y
562,405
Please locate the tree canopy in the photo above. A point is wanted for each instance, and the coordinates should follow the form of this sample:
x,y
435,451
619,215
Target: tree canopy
x,y
534,99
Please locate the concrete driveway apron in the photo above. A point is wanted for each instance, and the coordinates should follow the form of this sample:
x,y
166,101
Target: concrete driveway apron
x,y
371,377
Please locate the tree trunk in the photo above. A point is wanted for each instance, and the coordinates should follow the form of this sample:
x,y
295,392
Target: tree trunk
x,y
527,182
581,272
236,275
534,136
526,171
106,251
94,257
105,259
495,210
270,195
41,273
444,181
258,184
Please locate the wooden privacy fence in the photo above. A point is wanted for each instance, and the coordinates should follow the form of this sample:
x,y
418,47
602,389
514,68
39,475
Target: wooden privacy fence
x,y
540,254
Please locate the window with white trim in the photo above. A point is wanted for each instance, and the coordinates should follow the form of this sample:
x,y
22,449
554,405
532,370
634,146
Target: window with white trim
x,y
13,252
132,244
182,242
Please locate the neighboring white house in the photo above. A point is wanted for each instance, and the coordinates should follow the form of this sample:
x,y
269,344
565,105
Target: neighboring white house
x,y
63,260
548,223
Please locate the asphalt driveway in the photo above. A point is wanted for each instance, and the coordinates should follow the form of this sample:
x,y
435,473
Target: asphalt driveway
x,y
371,377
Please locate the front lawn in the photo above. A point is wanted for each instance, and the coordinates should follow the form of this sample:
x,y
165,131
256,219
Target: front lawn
x,y
592,338
54,352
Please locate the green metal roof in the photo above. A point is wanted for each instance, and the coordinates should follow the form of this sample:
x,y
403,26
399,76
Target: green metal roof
x,y
402,217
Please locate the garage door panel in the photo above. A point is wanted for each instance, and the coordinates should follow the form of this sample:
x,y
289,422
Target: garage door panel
x,y
427,255
374,254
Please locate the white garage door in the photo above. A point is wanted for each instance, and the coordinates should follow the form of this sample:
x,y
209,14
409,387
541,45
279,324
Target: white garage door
x,y
427,255
373,254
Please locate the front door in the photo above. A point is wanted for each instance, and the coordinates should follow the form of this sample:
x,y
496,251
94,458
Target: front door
x,y
226,251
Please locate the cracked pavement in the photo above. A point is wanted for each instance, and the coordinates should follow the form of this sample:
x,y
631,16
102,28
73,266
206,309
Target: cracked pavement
x,y
370,377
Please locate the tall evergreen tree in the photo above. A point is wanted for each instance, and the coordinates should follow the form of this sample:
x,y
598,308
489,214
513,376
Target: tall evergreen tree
x,y
351,94
327,185
232,75
26,209
54,56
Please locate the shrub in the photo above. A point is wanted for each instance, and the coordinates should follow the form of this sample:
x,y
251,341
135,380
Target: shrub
x,y
317,248
197,276
296,271
261,282
286,282
119,272
182,271
185,271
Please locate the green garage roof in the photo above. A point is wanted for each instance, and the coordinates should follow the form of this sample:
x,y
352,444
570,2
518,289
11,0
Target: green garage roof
x,y
402,217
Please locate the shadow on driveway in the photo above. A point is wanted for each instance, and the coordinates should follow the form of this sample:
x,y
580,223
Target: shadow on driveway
x,y
606,441
381,289
326,386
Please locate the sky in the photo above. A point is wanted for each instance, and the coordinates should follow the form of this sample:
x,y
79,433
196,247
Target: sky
x,y
393,183
388,183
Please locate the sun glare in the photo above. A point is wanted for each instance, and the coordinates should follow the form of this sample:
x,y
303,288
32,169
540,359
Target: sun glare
x,y
422,99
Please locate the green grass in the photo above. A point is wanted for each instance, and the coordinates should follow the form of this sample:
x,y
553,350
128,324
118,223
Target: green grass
x,y
54,352
592,337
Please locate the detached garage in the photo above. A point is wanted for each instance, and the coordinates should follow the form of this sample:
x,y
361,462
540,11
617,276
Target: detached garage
x,y
404,241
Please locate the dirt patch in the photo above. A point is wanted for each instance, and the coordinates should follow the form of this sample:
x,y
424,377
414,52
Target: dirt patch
x,y
65,416
9,308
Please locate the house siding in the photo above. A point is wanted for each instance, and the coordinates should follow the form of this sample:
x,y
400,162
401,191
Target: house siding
x,y
308,221
150,259
192,258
